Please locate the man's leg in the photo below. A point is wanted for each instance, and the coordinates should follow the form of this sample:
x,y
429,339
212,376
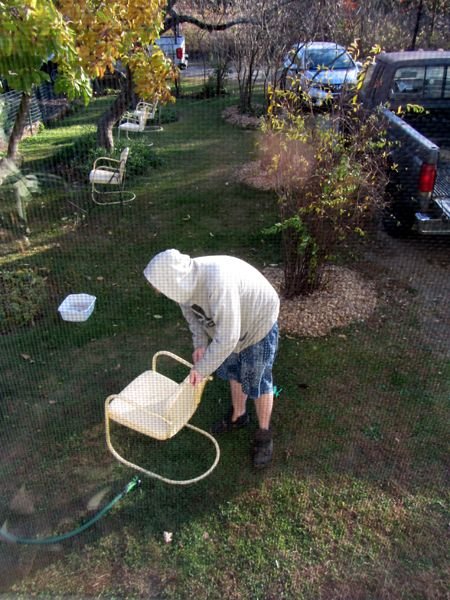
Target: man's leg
x,y
263,442
238,399
264,405
237,416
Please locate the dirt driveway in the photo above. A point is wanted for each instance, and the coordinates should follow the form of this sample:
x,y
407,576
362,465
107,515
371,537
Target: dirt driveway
x,y
415,271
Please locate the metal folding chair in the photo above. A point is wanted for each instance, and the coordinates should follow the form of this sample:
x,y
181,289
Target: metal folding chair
x,y
158,407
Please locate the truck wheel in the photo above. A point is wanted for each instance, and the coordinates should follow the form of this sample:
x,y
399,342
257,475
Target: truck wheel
x,y
396,225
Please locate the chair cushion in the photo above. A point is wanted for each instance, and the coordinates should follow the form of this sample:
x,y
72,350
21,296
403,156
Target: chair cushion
x,y
102,176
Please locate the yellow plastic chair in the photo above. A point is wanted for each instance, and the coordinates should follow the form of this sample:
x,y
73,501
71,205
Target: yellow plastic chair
x,y
159,407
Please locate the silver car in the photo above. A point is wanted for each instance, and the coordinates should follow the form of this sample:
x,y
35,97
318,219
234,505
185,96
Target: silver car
x,y
321,69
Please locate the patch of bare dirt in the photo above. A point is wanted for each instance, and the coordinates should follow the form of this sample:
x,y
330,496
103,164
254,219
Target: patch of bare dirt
x,y
234,117
253,175
344,297
414,274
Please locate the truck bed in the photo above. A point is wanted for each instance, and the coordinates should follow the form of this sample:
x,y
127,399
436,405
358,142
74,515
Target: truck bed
x,y
434,125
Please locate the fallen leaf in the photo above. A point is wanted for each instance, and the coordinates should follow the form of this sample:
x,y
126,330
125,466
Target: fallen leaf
x,y
167,535
22,503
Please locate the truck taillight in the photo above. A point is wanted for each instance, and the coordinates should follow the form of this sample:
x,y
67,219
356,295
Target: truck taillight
x,y
179,53
427,178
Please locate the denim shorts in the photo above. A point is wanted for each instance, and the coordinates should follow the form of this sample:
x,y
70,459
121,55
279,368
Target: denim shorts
x,y
252,367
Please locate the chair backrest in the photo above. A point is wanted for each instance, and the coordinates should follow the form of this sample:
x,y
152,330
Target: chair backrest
x,y
143,106
183,404
123,162
142,116
153,108
149,108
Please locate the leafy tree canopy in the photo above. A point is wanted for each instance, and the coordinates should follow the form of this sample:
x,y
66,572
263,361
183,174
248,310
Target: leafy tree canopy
x,y
121,34
31,33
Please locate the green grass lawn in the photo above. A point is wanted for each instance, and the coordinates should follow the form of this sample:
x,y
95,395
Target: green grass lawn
x,y
355,504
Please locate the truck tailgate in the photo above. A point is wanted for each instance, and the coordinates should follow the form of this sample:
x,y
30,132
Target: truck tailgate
x,y
442,185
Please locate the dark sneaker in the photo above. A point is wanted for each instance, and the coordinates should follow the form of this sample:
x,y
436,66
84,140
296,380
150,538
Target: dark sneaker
x,y
262,448
225,425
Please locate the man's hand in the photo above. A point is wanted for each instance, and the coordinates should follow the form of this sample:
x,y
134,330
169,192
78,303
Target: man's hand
x,y
198,354
195,377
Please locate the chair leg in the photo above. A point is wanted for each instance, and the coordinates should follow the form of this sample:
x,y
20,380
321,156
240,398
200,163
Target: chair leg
x,y
121,197
151,473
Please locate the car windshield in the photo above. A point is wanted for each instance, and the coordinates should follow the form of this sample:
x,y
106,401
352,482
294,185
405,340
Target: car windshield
x,y
328,58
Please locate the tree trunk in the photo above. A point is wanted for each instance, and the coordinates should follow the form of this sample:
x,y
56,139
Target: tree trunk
x,y
302,268
432,23
417,25
19,127
107,121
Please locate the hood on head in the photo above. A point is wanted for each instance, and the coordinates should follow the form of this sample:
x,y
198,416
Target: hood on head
x,y
171,273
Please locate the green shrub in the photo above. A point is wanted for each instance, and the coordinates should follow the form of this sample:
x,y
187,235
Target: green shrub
x,y
22,295
141,156
169,114
75,161
329,172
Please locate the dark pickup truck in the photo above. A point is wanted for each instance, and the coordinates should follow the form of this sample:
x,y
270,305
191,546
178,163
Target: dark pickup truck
x,y
419,187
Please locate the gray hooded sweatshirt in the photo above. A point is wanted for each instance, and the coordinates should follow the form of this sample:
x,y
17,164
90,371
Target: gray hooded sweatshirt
x,y
228,304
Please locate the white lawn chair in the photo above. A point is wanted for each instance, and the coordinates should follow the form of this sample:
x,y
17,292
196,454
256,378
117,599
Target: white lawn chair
x,y
134,123
159,407
107,179
150,109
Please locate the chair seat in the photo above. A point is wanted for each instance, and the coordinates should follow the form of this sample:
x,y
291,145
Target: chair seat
x,y
144,405
130,126
103,176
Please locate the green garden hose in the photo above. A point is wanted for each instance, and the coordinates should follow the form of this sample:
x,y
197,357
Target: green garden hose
x,y
133,484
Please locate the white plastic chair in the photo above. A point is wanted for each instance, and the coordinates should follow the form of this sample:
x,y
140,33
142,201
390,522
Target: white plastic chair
x,y
107,179
159,407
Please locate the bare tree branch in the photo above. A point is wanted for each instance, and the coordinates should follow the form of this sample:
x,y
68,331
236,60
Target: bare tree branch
x,y
173,19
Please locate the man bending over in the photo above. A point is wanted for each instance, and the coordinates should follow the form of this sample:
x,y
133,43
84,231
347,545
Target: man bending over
x,y
232,312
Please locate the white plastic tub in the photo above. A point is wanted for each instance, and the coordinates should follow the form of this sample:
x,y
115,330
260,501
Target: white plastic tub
x,y
77,307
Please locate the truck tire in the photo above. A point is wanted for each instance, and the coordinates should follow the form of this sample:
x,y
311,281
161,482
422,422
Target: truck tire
x,y
397,223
